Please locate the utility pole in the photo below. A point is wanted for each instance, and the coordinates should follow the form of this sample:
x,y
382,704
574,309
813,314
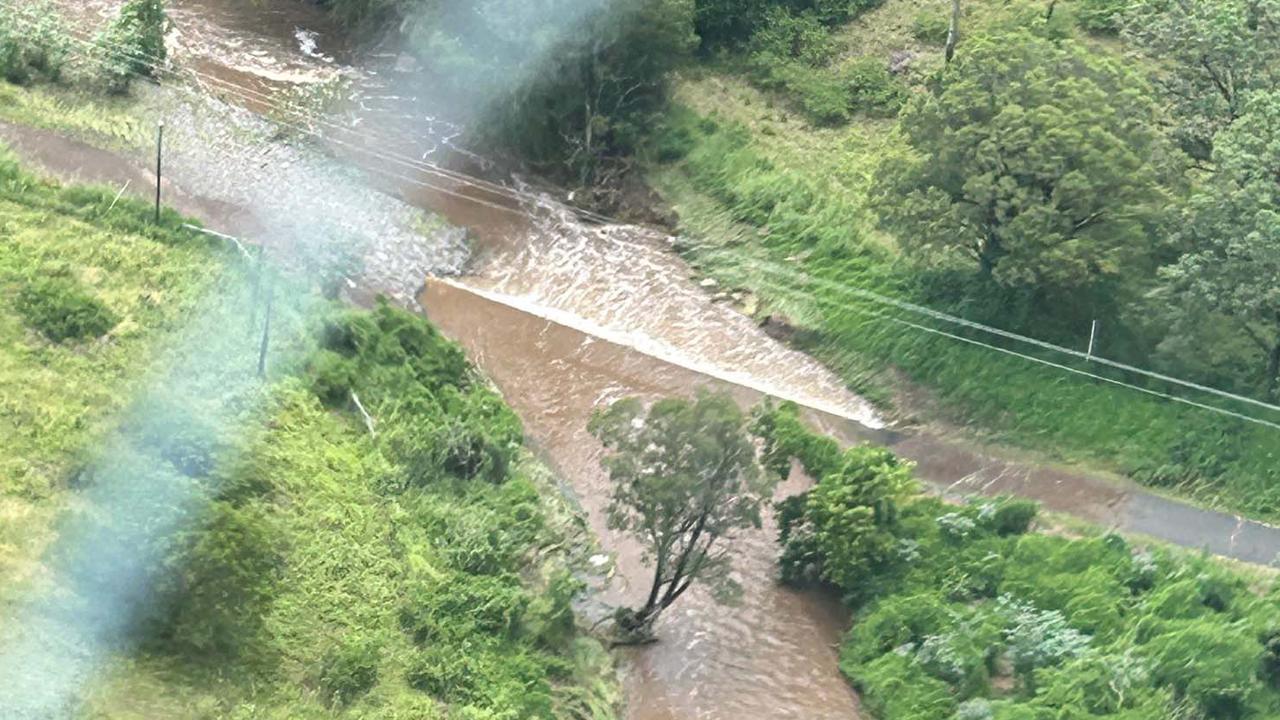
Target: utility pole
x,y
257,292
1093,337
159,158
266,333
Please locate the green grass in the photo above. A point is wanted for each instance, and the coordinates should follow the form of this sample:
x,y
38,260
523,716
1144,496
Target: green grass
x,y
54,397
110,121
772,204
354,558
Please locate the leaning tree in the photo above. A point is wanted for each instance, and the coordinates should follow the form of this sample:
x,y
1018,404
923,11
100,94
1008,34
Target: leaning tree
x,y
685,482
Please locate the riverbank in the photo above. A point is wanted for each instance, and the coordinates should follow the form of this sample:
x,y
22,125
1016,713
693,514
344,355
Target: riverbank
x,y
766,211
773,655
303,543
981,609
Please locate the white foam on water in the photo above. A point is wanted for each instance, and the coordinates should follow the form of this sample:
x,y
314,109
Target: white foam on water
x,y
647,345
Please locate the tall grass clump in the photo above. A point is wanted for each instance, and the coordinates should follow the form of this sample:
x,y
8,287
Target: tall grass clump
x,y
61,309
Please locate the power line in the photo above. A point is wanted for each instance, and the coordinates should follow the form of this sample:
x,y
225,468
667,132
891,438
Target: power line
x,y
246,94
938,315
1033,359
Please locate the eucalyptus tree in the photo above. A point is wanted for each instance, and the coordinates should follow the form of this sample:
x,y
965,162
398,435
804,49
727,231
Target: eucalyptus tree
x,y
1036,161
685,482
1232,230
1207,56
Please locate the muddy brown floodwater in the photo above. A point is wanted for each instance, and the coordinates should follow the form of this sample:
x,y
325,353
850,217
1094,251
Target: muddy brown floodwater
x,y
772,656
567,316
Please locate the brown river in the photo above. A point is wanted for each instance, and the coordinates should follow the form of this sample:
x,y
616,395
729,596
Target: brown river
x,y
565,316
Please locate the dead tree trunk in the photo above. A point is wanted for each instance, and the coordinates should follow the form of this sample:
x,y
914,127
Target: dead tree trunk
x,y
953,32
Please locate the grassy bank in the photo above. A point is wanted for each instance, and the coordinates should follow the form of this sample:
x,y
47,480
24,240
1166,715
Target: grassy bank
x,y
57,396
323,572
110,122
772,204
967,612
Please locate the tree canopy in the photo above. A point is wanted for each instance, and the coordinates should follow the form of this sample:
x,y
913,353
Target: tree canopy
x,y
685,480
1232,230
559,83
1038,161
1209,56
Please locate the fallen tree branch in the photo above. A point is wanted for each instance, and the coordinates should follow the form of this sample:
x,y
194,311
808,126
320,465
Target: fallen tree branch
x,y
368,419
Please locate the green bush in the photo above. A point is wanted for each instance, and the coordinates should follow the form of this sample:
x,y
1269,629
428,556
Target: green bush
x,y
132,45
222,578
1100,16
34,43
788,36
350,669
382,355
729,22
785,437
896,687
1213,665
468,434
873,89
1013,516
847,521
950,598
491,605
60,309
931,27
823,96
485,676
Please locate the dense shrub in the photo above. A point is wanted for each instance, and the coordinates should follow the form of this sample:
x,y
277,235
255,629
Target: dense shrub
x,y
788,36
785,437
730,22
792,52
34,43
350,669
873,89
1100,16
132,45
485,676
383,355
845,529
60,309
467,434
931,27
823,96
222,579
1012,516
948,599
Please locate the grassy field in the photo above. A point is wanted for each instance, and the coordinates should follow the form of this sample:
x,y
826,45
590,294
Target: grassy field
x,y
55,397
426,573
772,204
